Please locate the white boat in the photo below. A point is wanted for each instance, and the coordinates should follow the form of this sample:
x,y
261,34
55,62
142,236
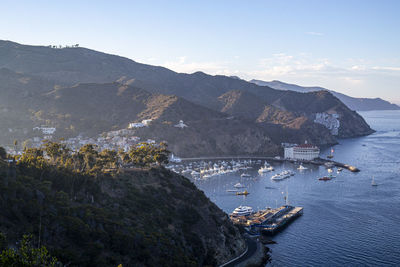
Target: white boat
x,y
232,190
175,159
245,175
302,168
330,170
266,169
278,177
239,185
242,211
373,183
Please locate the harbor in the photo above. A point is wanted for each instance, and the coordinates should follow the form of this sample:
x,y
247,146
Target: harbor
x,y
317,161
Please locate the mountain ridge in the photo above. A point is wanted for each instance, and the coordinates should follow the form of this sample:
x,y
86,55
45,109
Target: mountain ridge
x,y
73,67
354,103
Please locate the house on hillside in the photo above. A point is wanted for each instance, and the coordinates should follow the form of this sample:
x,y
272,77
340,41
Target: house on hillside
x,y
180,125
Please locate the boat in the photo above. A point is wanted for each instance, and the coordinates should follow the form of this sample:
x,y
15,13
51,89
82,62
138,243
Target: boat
x,y
373,183
239,185
325,178
243,175
331,155
339,169
330,170
175,159
302,168
244,193
242,211
231,190
329,164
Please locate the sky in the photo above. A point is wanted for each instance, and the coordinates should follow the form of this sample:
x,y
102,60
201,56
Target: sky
x,y
350,46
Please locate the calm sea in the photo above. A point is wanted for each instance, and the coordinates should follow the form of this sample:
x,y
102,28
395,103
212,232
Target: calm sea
x,y
346,221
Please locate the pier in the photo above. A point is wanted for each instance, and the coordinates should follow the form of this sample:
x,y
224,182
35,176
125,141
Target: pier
x,y
269,221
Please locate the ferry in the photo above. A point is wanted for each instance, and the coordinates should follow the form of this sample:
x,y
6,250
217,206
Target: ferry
x,y
242,211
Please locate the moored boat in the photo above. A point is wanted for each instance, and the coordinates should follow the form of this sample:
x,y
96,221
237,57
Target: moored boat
x,y
242,211
244,193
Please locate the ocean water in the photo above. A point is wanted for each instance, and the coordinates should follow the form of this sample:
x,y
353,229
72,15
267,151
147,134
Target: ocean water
x,y
346,221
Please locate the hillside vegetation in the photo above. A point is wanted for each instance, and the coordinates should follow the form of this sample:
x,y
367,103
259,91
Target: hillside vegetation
x,y
88,212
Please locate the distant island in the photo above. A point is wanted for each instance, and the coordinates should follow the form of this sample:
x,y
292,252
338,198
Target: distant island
x,y
358,104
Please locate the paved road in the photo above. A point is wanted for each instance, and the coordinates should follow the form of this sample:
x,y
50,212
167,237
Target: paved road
x,y
252,248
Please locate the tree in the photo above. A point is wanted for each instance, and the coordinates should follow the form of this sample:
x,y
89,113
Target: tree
x,y
3,153
88,154
26,255
145,154
55,151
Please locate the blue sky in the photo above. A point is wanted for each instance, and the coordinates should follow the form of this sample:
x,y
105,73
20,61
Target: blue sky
x,y
348,46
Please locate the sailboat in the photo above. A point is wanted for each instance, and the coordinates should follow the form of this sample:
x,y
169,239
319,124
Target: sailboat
x,y
373,183
331,155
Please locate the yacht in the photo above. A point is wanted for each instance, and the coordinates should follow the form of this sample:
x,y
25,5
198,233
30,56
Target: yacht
x,y
278,177
266,168
302,168
242,211
239,185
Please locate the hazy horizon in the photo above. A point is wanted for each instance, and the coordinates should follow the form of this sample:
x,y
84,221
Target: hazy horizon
x,y
347,46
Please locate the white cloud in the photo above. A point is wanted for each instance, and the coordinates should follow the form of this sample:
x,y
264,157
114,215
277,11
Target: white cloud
x,y
386,68
181,64
315,33
355,77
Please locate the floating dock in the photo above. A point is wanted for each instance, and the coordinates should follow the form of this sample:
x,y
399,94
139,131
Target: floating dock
x,y
268,221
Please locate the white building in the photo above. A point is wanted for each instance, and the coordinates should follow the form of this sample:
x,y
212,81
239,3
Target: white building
x,y
46,130
302,152
144,123
147,122
135,125
180,125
